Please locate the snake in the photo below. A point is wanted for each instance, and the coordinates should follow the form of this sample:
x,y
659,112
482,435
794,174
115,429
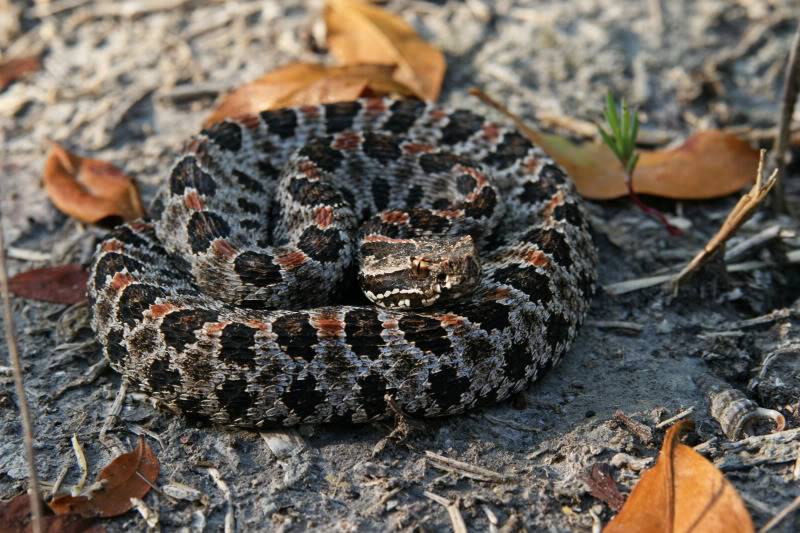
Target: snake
x,y
339,263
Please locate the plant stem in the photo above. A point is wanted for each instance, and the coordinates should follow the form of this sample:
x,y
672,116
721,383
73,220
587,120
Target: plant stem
x,y
11,340
651,211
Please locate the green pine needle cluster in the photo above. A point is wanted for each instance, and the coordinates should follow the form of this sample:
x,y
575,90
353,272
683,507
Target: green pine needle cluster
x,y
623,129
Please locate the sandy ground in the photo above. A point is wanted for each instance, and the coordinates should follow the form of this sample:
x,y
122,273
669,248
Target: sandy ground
x,y
128,81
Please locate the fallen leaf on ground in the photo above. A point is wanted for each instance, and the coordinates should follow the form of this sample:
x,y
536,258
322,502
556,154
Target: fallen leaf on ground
x,y
299,84
131,475
15,517
603,487
17,68
90,190
682,492
64,284
708,164
361,33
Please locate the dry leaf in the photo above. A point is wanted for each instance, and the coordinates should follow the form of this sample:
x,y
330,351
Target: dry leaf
x,y
64,284
682,492
299,84
17,68
708,164
602,485
90,190
15,517
131,475
361,33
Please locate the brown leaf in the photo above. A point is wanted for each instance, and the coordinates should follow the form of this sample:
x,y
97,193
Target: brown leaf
x,y
360,33
64,284
90,190
603,487
299,84
15,517
122,480
708,164
17,68
682,492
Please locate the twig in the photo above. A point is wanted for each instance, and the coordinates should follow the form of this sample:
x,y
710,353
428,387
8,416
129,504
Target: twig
x,y
668,421
81,457
465,469
34,492
230,523
778,518
452,509
624,287
744,208
791,86
113,413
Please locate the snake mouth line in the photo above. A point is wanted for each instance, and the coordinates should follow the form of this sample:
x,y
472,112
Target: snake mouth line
x,y
394,297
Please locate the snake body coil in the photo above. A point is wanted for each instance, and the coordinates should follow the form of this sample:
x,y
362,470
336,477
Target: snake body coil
x,y
238,306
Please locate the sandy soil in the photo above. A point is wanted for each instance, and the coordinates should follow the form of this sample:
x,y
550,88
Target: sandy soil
x,y
128,81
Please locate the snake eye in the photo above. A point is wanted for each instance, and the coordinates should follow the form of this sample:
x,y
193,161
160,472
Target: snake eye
x,y
420,267
441,278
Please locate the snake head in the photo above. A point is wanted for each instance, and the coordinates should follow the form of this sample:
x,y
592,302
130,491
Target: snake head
x,y
413,273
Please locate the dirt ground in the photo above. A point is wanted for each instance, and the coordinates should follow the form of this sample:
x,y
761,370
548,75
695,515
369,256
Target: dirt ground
x,y
129,81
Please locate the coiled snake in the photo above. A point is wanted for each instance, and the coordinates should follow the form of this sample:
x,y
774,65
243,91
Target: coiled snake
x,y
239,303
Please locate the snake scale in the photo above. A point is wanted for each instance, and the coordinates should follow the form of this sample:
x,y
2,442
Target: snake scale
x,y
239,303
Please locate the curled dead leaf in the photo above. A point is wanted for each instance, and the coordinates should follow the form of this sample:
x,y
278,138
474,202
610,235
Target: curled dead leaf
x,y
17,68
15,517
90,190
300,84
63,284
709,164
682,492
360,33
131,475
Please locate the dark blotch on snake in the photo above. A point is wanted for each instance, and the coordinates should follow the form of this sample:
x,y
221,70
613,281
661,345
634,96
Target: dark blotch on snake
x,y
446,386
426,333
204,227
321,244
552,242
512,149
135,300
281,122
403,115
462,125
186,173
248,182
257,269
161,377
483,205
320,152
373,389
295,335
313,193
234,398
237,344
382,148
363,329
340,115
569,212
465,184
179,327
227,135
380,193
110,264
116,350
302,397
526,279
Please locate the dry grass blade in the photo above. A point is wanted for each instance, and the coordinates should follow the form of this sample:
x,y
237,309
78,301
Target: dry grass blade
x,y
739,214
791,87
459,526
27,428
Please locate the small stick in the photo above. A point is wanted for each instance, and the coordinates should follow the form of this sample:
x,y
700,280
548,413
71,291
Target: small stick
x,y
466,469
81,457
791,87
230,523
452,509
113,413
669,421
34,493
744,208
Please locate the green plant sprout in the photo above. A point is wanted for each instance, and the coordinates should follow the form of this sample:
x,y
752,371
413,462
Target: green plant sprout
x,y
623,128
